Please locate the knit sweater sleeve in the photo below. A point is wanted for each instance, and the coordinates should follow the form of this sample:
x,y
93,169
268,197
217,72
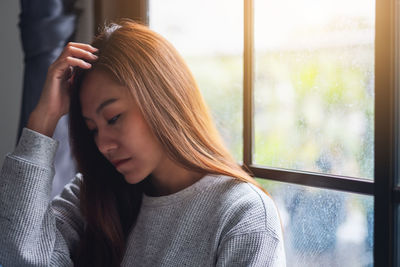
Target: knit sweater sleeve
x,y
252,249
252,234
34,230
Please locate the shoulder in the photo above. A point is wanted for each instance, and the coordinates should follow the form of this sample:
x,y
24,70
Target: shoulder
x,y
242,196
249,230
245,208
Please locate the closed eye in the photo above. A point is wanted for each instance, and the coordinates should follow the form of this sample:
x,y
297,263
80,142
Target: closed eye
x,y
113,120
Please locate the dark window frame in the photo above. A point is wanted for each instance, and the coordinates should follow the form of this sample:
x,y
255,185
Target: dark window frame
x,y
386,137
386,195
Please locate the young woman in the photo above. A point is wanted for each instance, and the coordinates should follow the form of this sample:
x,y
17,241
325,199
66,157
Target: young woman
x,y
156,186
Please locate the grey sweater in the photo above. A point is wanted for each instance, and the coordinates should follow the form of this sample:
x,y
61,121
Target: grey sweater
x,y
218,221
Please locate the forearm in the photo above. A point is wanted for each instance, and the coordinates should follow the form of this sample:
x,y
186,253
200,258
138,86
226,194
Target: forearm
x,y
43,122
28,232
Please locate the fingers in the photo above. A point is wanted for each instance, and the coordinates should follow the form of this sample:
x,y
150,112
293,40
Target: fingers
x,y
76,62
86,47
60,66
73,55
79,52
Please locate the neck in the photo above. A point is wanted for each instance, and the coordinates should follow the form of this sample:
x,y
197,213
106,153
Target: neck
x,y
170,178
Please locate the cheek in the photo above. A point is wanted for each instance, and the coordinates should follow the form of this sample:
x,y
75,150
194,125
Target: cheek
x,y
151,147
139,136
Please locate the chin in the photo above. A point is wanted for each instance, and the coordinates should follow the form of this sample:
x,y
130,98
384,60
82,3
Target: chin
x,y
133,179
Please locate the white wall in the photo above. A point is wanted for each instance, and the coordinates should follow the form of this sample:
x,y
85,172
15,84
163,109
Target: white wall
x,y
11,75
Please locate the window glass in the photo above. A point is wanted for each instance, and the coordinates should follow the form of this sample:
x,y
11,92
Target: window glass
x,y
324,227
209,36
314,85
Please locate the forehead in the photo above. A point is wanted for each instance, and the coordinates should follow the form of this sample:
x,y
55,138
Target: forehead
x,y
99,86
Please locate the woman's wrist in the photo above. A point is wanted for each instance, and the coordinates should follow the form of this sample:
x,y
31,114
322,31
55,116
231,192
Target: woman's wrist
x,y
43,122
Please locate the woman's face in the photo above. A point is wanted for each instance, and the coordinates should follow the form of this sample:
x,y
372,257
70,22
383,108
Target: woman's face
x,y
119,129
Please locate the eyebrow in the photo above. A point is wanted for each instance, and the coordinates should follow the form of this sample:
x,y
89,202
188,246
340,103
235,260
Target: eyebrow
x,y
103,105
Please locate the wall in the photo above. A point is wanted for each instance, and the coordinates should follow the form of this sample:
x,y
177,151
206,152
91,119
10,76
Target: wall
x,y
11,75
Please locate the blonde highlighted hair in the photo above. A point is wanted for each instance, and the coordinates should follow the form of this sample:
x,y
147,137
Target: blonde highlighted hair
x,y
169,98
172,105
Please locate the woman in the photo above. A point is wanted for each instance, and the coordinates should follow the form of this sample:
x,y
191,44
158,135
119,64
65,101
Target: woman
x,y
156,186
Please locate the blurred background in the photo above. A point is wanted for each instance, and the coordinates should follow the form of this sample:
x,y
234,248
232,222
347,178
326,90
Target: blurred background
x,y
313,100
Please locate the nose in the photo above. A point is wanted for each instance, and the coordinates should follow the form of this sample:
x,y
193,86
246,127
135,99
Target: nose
x,y
105,142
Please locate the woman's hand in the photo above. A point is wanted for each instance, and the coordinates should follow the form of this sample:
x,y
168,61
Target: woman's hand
x,y
54,100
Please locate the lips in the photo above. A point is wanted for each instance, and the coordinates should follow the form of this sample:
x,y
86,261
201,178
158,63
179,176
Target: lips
x,y
119,162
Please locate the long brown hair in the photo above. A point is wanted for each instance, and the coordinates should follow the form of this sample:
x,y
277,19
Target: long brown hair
x,y
175,111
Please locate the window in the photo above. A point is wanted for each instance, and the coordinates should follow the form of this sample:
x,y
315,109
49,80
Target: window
x,y
314,86
212,46
304,94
